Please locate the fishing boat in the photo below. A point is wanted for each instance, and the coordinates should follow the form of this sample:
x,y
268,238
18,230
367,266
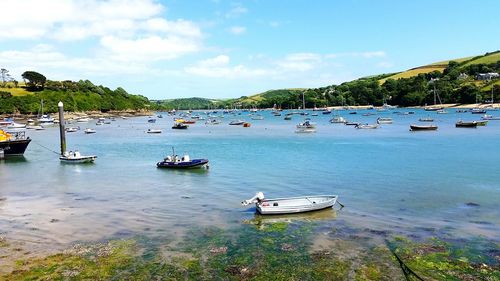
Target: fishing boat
x,y
76,158
291,205
338,120
153,131
179,126
89,131
466,124
13,143
431,127
384,120
174,162
236,122
426,119
367,126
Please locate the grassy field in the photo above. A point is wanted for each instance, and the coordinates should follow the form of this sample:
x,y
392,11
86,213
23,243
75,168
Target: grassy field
x,y
488,87
414,72
448,61
485,59
15,91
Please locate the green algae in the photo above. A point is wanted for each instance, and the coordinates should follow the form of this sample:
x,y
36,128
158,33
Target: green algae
x,y
262,251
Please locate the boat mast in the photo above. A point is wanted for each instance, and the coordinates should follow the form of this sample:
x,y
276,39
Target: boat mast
x,y
303,101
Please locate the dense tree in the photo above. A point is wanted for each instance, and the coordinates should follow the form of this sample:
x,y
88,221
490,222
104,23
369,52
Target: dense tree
x,y
34,78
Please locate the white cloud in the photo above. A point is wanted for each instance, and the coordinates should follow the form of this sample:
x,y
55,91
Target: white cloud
x,y
237,30
371,54
236,11
300,62
218,67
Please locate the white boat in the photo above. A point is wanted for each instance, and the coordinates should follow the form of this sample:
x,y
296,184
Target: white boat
x,y
124,117
83,120
72,129
236,122
442,111
338,120
35,127
99,123
291,205
15,125
256,117
490,117
367,126
212,122
76,158
306,125
153,131
305,130
89,131
384,120
426,119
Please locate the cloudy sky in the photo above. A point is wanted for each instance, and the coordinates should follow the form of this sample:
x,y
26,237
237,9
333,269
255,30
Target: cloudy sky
x,y
222,49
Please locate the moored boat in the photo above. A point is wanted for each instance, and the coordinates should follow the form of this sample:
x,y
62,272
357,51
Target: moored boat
x,y
482,122
14,143
89,131
384,120
430,127
490,117
236,122
466,124
426,119
76,158
367,126
338,120
291,205
179,126
153,131
174,162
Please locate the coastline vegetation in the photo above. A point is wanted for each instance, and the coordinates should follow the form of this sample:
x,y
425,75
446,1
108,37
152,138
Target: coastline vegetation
x,y
266,251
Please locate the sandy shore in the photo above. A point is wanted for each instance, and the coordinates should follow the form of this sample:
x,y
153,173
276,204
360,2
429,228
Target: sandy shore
x,y
90,114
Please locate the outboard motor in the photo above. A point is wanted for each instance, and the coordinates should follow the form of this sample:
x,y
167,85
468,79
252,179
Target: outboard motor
x,y
258,197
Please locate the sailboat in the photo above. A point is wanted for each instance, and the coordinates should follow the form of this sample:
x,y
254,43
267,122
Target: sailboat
x,y
436,95
44,119
72,157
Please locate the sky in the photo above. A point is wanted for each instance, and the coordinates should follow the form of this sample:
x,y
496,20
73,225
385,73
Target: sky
x,y
223,49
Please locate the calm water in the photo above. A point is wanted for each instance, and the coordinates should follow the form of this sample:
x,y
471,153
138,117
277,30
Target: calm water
x,y
389,179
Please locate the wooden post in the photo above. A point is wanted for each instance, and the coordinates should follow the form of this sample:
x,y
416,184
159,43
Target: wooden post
x,y
62,132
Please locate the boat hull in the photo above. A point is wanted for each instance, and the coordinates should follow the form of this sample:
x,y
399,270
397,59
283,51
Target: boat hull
x,y
423,128
79,160
295,205
193,164
14,147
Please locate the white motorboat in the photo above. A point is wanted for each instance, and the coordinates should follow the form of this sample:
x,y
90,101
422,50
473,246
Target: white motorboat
x,y
153,131
35,127
76,158
89,131
291,205
490,117
83,120
367,126
15,125
212,122
236,122
338,120
384,120
72,129
306,125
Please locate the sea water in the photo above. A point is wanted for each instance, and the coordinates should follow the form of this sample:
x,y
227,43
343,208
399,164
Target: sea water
x,y
444,182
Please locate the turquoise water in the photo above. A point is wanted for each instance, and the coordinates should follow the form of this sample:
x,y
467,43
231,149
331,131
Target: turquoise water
x,y
390,179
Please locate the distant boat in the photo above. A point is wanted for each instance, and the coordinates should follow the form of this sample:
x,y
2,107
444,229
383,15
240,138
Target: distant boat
x,y
247,125
236,122
326,112
83,120
461,111
338,120
384,120
423,127
72,129
426,119
179,126
151,120
76,158
35,127
288,117
442,111
353,112
305,130
256,117
291,205
174,162
478,111
466,124
189,121
153,131
15,125
44,119
367,126
490,117
351,123
89,131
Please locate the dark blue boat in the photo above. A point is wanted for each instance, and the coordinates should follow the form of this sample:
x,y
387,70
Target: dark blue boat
x,y
174,162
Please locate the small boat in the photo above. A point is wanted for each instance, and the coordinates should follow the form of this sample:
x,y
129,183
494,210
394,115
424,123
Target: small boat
x,y
237,122
99,123
442,111
367,126
212,122
89,131
482,122
461,111
338,120
246,125
423,127
124,117
478,111
306,124
368,114
384,120
326,112
189,122
305,130
426,119
314,114
153,131
288,117
180,126
83,120
15,125
490,117
256,117
290,205
466,124
433,108
76,158
72,129
35,127
174,162
351,123
151,120
159,116
353,112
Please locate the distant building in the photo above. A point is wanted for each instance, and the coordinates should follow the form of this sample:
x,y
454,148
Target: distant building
x,y
463,76
487,76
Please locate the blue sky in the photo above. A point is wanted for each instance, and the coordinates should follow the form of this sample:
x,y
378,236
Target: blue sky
x,y
222,49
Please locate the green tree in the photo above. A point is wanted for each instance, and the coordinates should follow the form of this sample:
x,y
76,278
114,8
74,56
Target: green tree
x,y
34,78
